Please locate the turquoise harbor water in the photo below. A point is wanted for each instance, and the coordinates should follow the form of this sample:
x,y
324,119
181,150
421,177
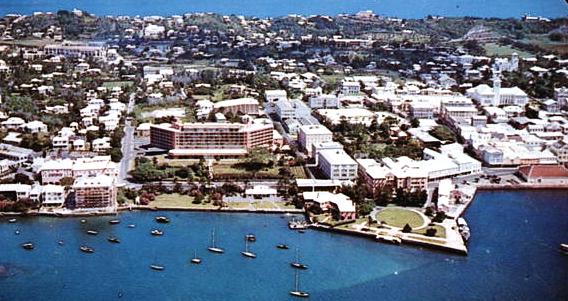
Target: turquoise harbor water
x,y
263,8
513,256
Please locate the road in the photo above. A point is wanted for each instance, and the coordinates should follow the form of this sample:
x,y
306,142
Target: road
x,y
128,153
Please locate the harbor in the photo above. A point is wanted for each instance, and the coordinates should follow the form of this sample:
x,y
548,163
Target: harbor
x,y
378,268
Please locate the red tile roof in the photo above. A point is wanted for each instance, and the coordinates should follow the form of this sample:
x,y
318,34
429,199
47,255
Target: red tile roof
x,y
544,171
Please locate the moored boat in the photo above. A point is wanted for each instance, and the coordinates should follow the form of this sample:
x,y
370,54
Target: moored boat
x,y
114,222
162,219
131,226
297,292
28,246
246,252
92,232
12,220
195,259
157,232
113,239
282,247
213,248
86,249
157,267
250,237
297,264
564,248
297,225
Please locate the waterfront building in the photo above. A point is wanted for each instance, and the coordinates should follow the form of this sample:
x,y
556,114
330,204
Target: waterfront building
x,y
544,174
329,202
308,135
94,192
52,171
211,139
397,174
15,192
52,195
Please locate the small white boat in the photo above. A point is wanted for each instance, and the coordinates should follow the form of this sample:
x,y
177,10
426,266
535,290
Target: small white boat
x,y
297,264
195,259
297,292
157,232
28,246
246,252
297,225
12,220
114,222
213,248
86,249
564,248
92,232
157,267
131,226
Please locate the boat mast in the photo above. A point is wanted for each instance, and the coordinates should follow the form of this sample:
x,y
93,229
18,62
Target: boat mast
x,y
297,282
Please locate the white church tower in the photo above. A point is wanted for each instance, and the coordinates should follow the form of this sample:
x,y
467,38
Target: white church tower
x,y
496,87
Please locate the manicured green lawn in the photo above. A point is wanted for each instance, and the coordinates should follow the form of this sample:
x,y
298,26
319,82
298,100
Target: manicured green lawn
x,y
398,217
173,200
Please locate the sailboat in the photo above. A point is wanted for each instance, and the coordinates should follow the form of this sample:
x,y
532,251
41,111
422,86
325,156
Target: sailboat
x,y
246,252
296,264
195,259
213,248
297,292
156,267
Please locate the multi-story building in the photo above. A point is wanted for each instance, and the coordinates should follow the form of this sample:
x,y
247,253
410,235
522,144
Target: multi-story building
x,y
378,176
336,164
326,101
560,150
94,192
350,88
309,135
247,106
561,95
211,139
498,96
52,171
75,50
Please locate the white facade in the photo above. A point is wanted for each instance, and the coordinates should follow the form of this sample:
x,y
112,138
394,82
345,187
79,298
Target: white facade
x,y
309,135
337,164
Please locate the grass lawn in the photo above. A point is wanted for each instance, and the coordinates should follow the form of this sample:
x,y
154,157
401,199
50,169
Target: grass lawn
x,y
398,217
238,205
173,200
440,231
298,172
493,49
263,205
